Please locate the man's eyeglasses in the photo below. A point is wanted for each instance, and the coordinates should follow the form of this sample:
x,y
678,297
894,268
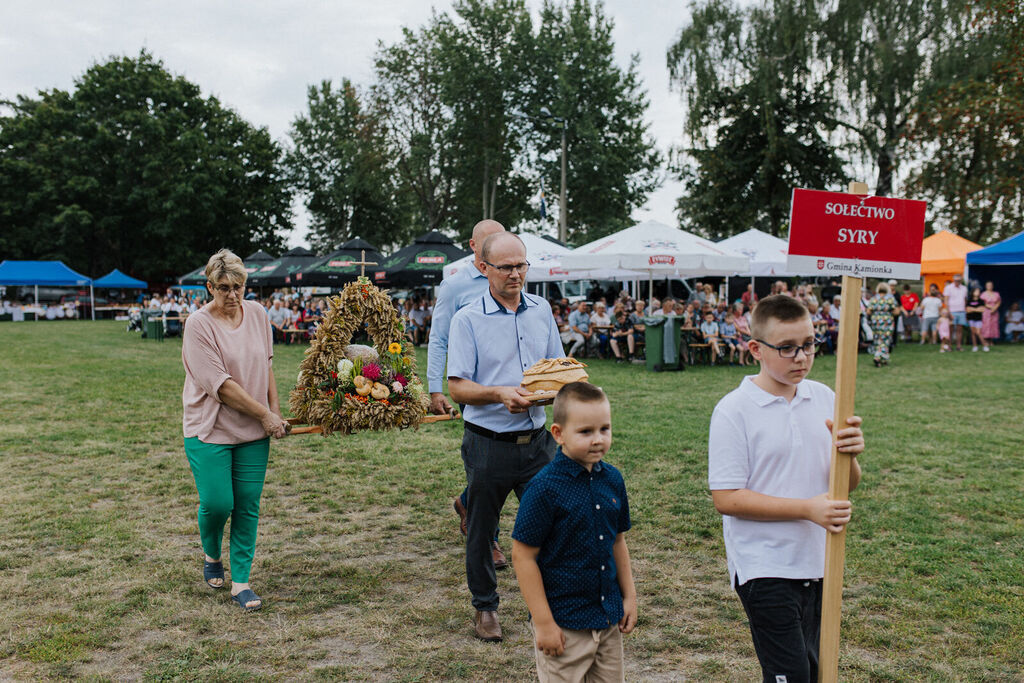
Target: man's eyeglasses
x,y
790,350
228,289
507,270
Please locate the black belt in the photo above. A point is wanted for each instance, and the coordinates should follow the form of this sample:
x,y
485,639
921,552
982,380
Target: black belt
x,y
518,438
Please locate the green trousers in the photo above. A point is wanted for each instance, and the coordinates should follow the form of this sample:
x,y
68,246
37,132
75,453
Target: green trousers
x,y
229,478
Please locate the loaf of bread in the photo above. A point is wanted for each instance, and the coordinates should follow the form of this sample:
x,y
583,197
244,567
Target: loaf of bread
x,y
551,374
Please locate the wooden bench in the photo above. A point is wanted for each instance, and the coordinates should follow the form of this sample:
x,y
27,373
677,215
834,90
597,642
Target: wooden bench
x,y
702,350
295,333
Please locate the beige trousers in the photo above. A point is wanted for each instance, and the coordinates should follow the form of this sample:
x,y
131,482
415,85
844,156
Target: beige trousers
x,y
589,657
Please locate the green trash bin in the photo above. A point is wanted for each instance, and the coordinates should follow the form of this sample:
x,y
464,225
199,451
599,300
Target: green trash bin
x,y
662,337
154,328
654,343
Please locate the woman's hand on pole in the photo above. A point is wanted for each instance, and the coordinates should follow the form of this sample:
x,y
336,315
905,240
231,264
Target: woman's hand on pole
x,y
274,425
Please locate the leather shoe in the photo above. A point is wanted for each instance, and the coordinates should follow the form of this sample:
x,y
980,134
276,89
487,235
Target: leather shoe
x,y
486,626
460,510
499,557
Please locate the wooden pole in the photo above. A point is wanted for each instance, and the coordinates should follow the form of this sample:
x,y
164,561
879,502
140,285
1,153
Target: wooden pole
x,y
839,474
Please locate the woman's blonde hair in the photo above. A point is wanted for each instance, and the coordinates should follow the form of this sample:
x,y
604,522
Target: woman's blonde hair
x,y
225,264
882,288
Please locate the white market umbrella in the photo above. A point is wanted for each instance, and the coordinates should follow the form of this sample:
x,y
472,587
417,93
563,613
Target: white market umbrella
x,y
657,250
767,253
545,259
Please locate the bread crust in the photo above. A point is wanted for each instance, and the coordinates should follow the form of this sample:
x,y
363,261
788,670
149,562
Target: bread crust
x,y
551,374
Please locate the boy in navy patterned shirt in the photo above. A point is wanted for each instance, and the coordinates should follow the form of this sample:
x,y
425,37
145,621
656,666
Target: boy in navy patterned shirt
x,y
569,548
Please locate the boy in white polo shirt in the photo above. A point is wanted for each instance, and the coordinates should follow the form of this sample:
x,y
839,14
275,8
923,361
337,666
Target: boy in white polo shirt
x,y
769,454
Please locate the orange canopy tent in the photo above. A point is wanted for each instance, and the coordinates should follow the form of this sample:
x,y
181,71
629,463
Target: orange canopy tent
x,y
942,257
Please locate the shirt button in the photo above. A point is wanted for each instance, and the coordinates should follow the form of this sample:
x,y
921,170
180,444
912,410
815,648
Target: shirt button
x,y
602,598
602,567
601,537
598,507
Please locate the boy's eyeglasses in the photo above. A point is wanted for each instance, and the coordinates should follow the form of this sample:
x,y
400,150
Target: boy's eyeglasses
x,y
790,350
507,270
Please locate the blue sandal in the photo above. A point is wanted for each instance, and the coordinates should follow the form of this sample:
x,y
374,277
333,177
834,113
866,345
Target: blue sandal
x,y
247,596
213,570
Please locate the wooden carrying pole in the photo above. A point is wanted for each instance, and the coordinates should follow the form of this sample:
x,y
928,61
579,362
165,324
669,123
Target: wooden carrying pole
x,y
839,473
296,427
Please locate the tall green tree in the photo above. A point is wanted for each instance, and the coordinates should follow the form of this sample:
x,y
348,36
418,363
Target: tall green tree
x,y
419,125
613,164
882,55
340,165
457,97
758,116
485,49
969,127
136,170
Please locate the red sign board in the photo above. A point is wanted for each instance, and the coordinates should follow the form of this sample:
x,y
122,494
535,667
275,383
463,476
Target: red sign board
x,y
339,264
430,259
658,260
834,234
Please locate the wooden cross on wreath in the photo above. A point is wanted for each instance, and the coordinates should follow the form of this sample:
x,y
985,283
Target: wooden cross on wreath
x,y
362,263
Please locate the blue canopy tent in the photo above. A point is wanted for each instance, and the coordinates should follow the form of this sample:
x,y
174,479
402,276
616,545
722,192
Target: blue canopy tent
x,y
45,273
115,279
1003,264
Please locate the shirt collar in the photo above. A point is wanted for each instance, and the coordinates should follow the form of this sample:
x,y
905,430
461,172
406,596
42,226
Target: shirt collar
x,y
572,467
491,304
763,398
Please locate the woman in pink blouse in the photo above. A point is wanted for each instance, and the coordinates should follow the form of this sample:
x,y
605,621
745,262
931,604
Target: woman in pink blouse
x,y
743,329
990,316
230,411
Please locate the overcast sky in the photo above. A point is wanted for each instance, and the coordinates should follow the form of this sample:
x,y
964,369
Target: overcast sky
x,y
258,57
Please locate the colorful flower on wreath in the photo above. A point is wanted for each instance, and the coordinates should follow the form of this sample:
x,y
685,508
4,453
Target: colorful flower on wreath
x,y
396,387
371,371
400,379
345,367
394,347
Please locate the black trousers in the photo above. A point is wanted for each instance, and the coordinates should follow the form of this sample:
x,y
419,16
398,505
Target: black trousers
x,y
493,470
785,623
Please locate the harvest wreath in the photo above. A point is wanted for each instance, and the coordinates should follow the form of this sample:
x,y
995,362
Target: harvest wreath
x,y
343,388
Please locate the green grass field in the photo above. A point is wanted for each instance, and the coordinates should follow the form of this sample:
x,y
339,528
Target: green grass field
x,y
360,560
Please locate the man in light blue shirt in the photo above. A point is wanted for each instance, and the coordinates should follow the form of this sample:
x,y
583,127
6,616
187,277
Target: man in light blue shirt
x,y
467,285
491,342
579,325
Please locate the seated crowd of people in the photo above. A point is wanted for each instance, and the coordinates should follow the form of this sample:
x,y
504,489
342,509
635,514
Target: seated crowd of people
x,y
295,316
590,330
49,311
615,329
711,321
